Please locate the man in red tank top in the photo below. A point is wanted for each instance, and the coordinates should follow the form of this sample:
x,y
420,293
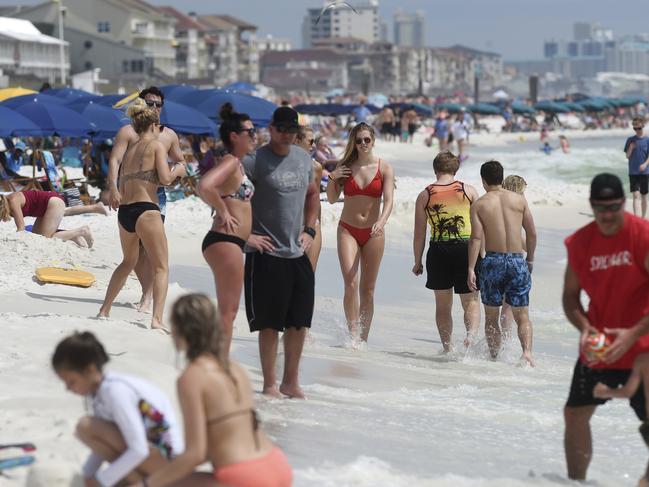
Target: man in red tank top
x,y
609,260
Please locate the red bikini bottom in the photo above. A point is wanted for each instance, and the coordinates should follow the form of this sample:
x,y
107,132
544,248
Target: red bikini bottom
x,y
361,235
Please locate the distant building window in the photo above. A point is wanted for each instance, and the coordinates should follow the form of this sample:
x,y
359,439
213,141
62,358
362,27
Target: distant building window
x,y
551,49
573,49
125,66
141,27
103,26
88,65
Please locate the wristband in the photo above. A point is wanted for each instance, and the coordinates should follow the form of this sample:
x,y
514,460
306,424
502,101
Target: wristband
x,y
310,231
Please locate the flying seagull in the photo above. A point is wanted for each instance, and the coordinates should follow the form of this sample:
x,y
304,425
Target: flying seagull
x,y
334,5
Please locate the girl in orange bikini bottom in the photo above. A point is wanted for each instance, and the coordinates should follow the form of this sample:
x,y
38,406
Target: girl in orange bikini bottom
x,y
271,470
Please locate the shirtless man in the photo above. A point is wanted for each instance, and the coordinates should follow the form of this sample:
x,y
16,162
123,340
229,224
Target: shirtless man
x,y
126,136
500,215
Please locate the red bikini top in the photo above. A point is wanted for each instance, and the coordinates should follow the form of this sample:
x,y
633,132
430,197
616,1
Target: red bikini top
x,y
374,189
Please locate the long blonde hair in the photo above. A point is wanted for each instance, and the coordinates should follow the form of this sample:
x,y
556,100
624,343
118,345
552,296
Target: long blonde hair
x,y
141,115
351,152
5,211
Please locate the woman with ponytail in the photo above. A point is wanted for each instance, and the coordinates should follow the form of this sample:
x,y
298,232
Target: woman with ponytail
x,y
144,167
221,424
133,426
227,189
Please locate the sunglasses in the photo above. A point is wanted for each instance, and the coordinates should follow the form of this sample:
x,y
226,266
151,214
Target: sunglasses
x,y
638,128
364,140
252,131
311,141
157,104
611,207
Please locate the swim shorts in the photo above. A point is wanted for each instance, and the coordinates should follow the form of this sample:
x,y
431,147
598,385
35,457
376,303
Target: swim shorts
x,y
505,275
584,380
639,182
162,202
279,292
446,266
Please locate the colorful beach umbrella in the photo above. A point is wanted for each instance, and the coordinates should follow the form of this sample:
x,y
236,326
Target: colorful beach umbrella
x,y
7,93
13,124
125,100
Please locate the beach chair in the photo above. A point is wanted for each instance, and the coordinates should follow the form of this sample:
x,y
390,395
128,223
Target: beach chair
x,y
75,191
9,183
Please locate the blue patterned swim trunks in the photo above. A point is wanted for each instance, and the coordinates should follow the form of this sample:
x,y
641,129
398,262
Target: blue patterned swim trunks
x,y
505,275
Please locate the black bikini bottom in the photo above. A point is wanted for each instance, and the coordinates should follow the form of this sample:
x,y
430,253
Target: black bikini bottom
x,y
215,237
127,215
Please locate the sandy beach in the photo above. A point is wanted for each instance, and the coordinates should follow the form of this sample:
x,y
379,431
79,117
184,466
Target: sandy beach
x,y
395,414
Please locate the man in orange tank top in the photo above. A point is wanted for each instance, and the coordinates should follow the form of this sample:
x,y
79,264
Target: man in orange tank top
x,y
446,206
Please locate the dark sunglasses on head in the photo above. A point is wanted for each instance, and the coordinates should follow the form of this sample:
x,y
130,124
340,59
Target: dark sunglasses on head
x,y
601,207
252,131
311,141
157,104
638,128
364,140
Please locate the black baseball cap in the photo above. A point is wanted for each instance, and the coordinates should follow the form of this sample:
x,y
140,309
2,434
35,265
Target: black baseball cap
x,y
606,186
285,117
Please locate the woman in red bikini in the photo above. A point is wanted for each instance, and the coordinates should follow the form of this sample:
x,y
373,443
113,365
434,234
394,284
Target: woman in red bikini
x,y
49,209
227,189
221,424
364,179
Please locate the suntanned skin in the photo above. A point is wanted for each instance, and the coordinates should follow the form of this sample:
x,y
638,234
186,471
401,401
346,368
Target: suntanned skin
x,y
498,217
578,443
126,136
639,200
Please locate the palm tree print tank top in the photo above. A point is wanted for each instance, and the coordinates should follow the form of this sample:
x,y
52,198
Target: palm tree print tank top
x,y
448,212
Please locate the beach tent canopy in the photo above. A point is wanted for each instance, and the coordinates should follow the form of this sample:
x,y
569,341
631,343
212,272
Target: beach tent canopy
x,y
484,109
53,118
106,120
13,124
209,102
7,93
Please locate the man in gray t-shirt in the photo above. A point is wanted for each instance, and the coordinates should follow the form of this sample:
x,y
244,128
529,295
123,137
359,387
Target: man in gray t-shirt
x,y
279,281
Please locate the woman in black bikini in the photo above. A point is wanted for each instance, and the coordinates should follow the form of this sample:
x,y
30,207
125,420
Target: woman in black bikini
x,y
144,167
228,190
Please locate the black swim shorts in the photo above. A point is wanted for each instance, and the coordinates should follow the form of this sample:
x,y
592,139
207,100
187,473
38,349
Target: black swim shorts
x,y
639,182
446,266
583,382
279,292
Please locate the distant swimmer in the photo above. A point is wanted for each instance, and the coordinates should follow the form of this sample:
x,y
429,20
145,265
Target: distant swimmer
x,y
565,145
608,260
636,149
446,206
499,217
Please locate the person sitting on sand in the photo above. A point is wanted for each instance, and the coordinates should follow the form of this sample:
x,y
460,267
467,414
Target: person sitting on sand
x,y
221,424
133,426
144,167
48,207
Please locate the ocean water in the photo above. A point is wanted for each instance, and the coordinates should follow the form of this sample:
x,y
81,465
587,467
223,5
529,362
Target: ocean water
x,y
399,413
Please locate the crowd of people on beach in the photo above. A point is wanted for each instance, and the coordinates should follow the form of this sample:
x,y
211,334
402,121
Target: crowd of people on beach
x,y
266,208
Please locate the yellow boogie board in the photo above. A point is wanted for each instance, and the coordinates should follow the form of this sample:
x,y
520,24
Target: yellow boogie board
x,y
59,275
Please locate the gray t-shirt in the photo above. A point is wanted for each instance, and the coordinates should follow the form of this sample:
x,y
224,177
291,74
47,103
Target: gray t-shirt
x,y
281,184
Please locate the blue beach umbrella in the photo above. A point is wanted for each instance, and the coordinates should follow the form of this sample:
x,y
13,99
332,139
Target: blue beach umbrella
x,y
423,110
549,106
186,120
106,121
521,108
108,100
208,102
13,123
69,94
241,86
17,101
484,109
52,118
176,92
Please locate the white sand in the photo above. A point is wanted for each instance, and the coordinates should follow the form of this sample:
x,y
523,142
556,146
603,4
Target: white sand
x,y
34,405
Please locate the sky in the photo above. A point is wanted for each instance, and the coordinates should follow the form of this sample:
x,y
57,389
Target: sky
x,y
514,28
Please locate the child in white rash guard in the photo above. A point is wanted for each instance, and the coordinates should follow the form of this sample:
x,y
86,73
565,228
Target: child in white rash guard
x,y
133,426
